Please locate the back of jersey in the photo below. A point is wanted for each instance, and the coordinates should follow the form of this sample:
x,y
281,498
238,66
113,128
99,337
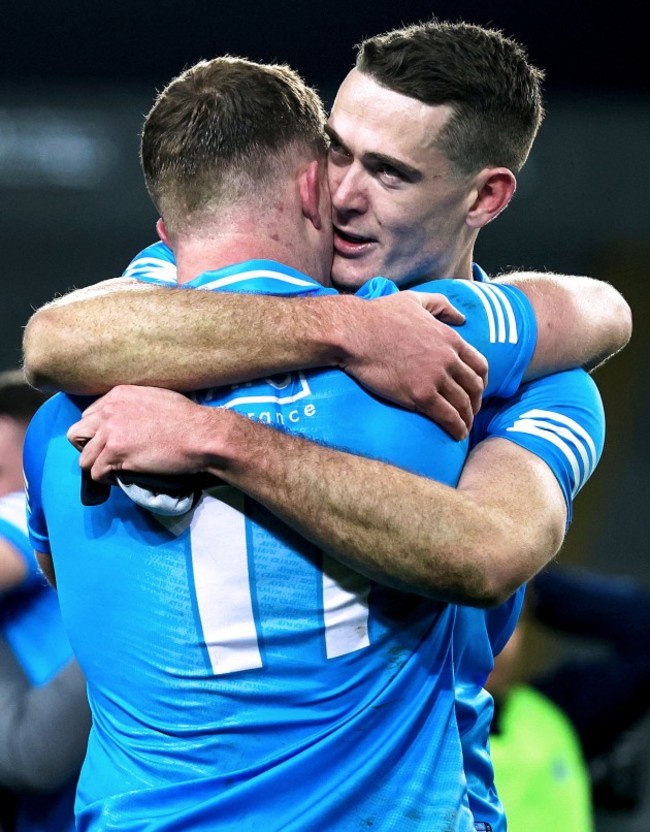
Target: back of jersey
x,y
238,676
230,663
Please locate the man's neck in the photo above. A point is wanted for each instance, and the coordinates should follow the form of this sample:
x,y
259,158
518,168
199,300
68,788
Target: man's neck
x,y
458,266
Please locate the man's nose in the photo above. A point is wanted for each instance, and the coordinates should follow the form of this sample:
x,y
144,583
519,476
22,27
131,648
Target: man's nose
x,y
348,192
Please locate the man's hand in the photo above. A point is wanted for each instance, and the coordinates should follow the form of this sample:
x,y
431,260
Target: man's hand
x,y
141,430
400,351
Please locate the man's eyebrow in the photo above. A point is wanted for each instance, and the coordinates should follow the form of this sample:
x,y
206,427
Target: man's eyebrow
x,y
411,173
332,134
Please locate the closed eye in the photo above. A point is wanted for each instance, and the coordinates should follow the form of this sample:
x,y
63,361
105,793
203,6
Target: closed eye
x,y
390,171
337,152
388,174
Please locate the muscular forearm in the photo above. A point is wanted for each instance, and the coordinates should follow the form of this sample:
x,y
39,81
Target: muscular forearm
x,y
581,321
466,545
353,508
474,544
188,340
129,332
43,730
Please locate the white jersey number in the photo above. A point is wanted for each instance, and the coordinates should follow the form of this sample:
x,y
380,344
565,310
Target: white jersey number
x,y
224,598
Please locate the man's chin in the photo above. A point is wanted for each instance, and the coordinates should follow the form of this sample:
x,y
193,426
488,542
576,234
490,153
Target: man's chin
x,y
349,275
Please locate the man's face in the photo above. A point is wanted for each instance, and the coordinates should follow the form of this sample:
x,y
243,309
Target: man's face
x,y
399,209
12,435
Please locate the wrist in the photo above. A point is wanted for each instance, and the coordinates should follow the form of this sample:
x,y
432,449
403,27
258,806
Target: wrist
x,y
339,329
222,442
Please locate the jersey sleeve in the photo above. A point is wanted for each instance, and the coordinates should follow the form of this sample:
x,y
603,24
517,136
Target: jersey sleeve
x,y
559,418
499,322
48,424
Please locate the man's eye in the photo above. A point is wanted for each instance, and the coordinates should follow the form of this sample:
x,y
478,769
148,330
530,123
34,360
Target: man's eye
x,y
338,155
389,174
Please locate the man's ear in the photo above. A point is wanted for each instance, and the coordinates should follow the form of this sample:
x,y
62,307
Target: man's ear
x,y
493,190
161,229
310,193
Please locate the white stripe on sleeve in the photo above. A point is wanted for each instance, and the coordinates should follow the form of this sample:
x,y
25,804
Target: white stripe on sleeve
x,y
563,432
502,323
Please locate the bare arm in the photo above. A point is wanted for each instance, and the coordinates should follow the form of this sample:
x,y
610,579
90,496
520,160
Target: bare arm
x,y
44,729
501,528
127,332
581,321
130,332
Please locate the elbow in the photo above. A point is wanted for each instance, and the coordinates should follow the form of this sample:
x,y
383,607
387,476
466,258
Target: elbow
x,y
490,589
497,590
493,590
624,317
619,316
484,583
41,343
499,569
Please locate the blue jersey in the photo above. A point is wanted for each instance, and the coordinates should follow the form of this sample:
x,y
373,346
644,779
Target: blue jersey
x,y
479,635
560,419
30,622
237,675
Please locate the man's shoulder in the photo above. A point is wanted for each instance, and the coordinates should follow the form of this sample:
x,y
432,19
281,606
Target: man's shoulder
x,y
60,407
569,386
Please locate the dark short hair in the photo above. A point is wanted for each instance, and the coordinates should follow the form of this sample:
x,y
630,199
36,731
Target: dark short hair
x,y
495,92
18,400
218,129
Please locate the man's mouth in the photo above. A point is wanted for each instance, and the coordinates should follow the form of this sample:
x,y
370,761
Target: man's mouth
x,y
351,245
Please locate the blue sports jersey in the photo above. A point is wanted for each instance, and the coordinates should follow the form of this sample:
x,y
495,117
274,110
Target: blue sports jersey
x,y
559,418
30,621
237,676
479,635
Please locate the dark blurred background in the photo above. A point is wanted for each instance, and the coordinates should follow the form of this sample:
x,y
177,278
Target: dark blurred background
x,y
77,77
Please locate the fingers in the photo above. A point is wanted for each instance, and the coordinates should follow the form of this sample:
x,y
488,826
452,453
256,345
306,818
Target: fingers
x,y
475,362
455,418
87,437
440,307
89,456
453,409
453,400
82,431
466,380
